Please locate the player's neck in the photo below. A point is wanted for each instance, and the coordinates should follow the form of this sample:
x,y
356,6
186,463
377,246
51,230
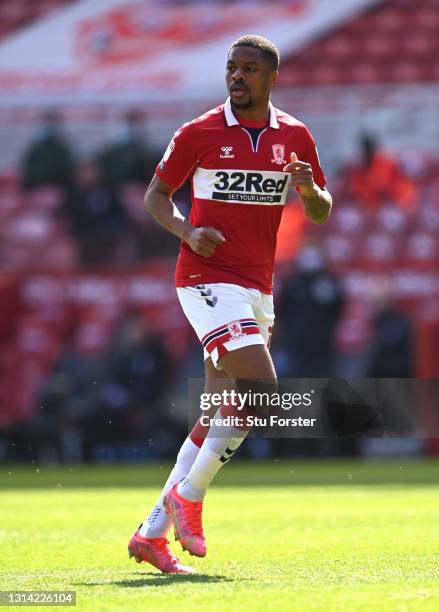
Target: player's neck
x,y
252,114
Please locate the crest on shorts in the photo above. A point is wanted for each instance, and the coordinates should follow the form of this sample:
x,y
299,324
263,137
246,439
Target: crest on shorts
x,y
278,154
235,329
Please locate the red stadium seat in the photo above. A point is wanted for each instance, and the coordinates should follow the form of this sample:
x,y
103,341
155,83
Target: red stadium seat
x,y
22,377
62,255
13,256
337,48
428,218
93,337
406,70
55,315
26,235
427,17
339,251
47,6
379,45
421,251
379,252
21,12
391,219
390,42
31,228
390,19
39,345
418,44
9,179
365,72
131,195
354,329
348,219
48,197
9,204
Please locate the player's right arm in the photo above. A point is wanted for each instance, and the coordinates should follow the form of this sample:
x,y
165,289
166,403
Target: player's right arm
x,y
178,162
158,202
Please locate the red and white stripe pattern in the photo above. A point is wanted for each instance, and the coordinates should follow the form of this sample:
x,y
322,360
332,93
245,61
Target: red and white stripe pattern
x,y
233,330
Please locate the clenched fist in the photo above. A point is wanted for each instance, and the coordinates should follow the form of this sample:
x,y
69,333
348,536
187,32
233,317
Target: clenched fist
x,y
204,240
301,176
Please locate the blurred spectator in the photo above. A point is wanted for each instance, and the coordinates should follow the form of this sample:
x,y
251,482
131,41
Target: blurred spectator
x,y
377,178
310,306
391,352
71,396
136,373
107,393
99,220
139,363
49,159
127,159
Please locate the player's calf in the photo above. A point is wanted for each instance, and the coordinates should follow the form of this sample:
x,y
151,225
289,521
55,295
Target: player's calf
x,y
256,395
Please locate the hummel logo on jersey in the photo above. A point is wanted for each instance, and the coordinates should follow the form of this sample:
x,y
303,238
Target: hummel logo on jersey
x,y
227,153
278,154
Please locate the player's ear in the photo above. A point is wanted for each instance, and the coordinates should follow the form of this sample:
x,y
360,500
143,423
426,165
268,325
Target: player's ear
x,y
274,76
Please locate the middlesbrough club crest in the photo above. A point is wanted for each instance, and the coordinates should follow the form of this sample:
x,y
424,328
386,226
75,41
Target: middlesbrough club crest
x,y
235,329
278,154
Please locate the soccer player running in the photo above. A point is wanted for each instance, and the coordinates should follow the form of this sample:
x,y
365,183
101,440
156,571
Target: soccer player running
x,y
241,157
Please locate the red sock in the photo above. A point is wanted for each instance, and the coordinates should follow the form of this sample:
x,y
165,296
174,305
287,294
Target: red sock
x,y
198,433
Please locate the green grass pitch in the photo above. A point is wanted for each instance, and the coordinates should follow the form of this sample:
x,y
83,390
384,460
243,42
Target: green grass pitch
x,y
330,535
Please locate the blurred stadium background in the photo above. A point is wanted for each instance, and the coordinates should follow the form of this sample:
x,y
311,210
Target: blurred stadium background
x,y
95,352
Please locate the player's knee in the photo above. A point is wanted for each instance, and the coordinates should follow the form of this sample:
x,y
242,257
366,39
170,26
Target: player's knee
x,y
258,394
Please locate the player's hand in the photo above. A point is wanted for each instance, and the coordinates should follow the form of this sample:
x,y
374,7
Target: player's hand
x,y
301,176
204,240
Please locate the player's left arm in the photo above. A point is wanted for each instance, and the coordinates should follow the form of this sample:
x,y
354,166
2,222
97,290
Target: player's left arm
x,y
317,201
308,177
317,206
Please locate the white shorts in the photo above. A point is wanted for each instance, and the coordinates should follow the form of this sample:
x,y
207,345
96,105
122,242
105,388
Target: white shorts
x,y
226,317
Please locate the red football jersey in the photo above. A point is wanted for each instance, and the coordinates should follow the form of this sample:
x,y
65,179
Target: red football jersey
x,y
238,187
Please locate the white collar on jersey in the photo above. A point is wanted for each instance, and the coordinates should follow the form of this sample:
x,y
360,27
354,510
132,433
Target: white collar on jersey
x,y
232,120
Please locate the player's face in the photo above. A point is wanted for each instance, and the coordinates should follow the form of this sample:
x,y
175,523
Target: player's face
x,y
249,77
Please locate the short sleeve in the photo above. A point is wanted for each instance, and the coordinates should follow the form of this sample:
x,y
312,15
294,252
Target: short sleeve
x,y
311,156
179,158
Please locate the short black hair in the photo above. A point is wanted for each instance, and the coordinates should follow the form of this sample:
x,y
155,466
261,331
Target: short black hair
x,y
265,46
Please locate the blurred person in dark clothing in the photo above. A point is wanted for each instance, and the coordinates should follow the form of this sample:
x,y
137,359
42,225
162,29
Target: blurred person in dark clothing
x,y
139,362
71,395
137,371
107,393
310,307
99,220
127,159
49,159
391,351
